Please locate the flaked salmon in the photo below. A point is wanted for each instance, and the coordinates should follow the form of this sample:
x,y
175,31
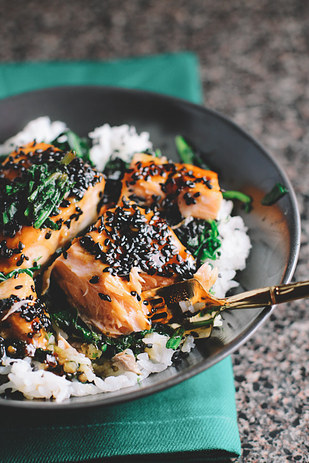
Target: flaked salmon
x,y
130,249
47,198
156,181
22,315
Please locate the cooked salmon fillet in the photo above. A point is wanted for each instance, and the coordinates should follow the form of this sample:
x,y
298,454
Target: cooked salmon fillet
x,y
157,181
22,315
127,251
21,243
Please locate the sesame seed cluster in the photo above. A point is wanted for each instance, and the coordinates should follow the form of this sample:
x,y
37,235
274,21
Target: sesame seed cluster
x,y
132,236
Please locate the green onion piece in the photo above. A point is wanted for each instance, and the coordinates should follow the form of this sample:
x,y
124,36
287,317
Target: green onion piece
x,y
31,185
187,154
274,195
68,157
50,224
49,180
13,208
29,271
5,218
38,195
184,150
175,340
245,199
79,145
200,324
158,153
70,141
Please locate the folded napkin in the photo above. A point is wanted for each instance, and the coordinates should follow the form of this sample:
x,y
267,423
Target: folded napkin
x,y
175,75
195,420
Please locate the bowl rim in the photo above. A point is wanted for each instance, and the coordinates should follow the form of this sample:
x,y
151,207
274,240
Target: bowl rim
x,y
49,406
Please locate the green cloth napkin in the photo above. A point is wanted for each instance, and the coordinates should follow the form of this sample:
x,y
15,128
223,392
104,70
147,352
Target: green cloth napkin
x,y
195,420
172,74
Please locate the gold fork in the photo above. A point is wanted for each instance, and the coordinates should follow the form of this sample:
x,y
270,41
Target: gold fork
x,y
188,304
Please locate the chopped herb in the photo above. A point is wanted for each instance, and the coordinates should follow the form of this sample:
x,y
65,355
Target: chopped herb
x,y
133,341
70,141
50,224
245,199
210,243
202,239
175,339
35,196
29,272
187,154
158,153
274,195
69,321
68,157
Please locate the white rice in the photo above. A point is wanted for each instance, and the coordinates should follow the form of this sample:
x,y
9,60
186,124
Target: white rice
x,y
234,250
109,143
41,129
116,142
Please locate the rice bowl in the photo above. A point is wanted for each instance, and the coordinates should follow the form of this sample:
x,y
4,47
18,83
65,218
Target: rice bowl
x,y
237,326
28,377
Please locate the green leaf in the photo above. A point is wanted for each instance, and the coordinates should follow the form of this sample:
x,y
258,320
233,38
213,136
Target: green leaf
x,y
175,339
70,141
50,224
274,195
187,154
5,218
202,239
69,321
184,150
158,153
245,199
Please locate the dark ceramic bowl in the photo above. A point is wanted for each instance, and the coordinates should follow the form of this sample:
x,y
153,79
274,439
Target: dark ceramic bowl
x,y
242,165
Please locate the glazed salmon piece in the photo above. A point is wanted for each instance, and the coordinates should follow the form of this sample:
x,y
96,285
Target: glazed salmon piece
x,y
127,251
21,243
157,181
22,315
105,301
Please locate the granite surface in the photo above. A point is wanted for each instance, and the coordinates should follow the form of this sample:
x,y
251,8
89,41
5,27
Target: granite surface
x,y
254,67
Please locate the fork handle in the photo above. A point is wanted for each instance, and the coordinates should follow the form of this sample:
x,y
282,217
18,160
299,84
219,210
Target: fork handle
x,y
266,297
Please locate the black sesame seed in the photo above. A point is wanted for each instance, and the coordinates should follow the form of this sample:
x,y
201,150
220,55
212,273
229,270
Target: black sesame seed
x,y
105,297
133,238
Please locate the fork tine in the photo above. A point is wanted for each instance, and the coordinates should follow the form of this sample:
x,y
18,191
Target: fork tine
x,y
179,301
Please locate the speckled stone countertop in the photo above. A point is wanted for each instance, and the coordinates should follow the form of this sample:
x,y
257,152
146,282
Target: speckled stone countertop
x,y
254,67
